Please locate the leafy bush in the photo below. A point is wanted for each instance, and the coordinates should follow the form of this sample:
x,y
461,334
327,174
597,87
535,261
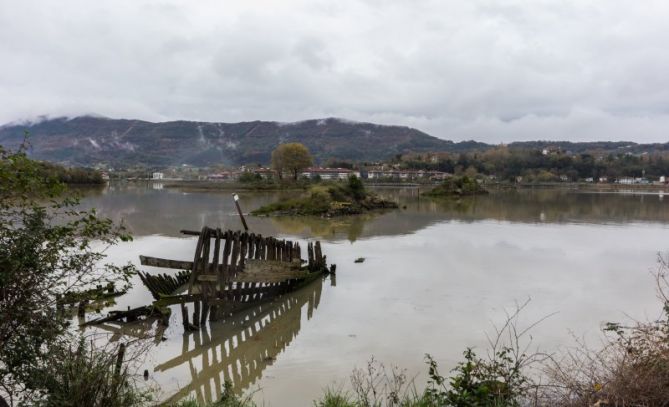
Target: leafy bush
x,y
631,369
250,177
84,376
45,252
458,186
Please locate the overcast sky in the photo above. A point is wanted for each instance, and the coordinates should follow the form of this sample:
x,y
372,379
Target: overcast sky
x,y
465,69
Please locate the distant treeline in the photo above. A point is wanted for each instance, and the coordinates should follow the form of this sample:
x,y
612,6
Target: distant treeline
x,y
542,165
72,176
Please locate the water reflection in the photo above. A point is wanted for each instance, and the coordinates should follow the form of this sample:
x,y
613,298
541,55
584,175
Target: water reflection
x,y
421,289
239,348
148,211
149,328
350,228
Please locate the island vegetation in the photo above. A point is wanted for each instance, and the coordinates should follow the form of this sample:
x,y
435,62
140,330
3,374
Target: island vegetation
x,y
456,187
328,199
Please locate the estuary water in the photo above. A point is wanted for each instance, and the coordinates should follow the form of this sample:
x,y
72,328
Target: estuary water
x,y
437,277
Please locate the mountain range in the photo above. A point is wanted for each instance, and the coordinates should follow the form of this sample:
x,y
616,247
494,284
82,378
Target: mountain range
x,y
122,143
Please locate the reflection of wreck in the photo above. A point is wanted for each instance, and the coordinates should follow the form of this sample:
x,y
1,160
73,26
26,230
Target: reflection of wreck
x,y
239,348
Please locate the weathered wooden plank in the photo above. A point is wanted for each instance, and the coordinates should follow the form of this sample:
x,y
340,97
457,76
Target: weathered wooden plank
x,y
198,250
252,245
310,254
165,263
235,254
243,240
196,313
224,274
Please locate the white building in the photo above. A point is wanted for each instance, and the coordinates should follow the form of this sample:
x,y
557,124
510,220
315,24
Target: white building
x,y
157,175
329,173
406,174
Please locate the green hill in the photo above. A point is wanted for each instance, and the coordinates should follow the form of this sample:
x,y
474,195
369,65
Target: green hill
x,y
122,143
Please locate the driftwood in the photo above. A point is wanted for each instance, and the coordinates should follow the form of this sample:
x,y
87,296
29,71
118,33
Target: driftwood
x,y
131,314
98,293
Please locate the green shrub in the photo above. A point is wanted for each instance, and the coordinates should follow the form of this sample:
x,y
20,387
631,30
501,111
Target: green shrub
x,y
84,376
250,177
458,186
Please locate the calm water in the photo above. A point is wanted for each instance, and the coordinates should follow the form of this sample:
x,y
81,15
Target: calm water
x,y
437,276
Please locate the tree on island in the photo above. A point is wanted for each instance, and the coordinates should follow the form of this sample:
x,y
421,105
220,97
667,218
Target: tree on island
x,y
292,158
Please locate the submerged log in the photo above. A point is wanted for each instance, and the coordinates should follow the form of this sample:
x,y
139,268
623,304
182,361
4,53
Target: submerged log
x,y
131,314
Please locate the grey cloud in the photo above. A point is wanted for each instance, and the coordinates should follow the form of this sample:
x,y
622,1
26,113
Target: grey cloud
x,y
481,69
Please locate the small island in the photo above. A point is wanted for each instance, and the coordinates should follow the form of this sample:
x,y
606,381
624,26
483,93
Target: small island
x,y
457,187
328,200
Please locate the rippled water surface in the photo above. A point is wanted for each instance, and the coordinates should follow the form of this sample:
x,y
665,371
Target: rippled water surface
x,y
437,275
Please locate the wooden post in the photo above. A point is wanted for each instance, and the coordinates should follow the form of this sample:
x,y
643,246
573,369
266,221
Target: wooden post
x,y
223,276
258,246
205,312
184,317
119,360
198,249
318,254
235,254
196,312
263,249
252,245
310,253
239,210
243,240
81,311
217,250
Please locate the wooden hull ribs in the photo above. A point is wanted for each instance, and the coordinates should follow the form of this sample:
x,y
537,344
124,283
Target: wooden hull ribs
x,y
230,271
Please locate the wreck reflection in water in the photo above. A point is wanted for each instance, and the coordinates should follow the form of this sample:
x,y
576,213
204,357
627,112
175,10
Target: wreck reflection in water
x,y
239,348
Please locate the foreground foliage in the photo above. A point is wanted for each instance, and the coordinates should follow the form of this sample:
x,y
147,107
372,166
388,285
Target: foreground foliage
x,y
80,375
631,369
46,251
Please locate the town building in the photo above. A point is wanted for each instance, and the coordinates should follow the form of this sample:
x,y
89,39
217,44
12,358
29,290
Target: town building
x,y
329,173
406,175
224,176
